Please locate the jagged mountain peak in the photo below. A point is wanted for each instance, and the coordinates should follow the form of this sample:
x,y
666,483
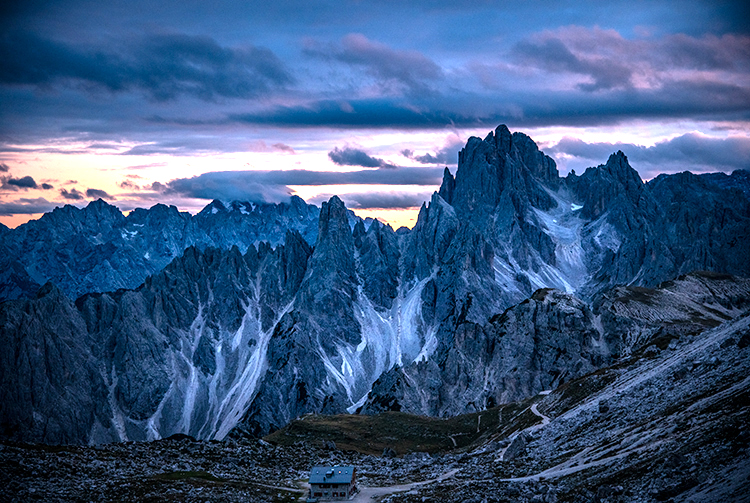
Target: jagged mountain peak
x,y
100,204
448,186
156,212
618,166
95,211
334,221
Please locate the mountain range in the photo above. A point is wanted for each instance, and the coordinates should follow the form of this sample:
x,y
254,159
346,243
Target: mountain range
x,y
514,280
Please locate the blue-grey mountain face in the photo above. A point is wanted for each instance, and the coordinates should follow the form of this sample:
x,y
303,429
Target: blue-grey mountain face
x,y
509,283
98,249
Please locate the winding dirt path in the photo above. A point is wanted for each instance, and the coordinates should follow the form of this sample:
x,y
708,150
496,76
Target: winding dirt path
x,y
535,411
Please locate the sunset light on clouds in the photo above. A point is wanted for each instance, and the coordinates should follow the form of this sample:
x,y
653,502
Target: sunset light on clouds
x,y
182,103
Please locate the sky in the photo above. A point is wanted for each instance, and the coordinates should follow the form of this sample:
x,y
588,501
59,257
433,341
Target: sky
x,y
141,102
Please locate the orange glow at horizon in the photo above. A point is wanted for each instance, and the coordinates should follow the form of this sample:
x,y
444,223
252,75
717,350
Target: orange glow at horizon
x,y
395,217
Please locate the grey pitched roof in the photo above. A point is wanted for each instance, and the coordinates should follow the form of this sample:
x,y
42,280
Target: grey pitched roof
x,y
331,474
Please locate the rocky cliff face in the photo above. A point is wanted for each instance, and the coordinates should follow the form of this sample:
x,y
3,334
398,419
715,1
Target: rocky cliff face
x,y
510,283
182,353
552,338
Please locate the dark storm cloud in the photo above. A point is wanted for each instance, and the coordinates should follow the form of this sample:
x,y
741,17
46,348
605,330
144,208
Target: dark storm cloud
x,y
162,66
72,194
409,69
349,156
4,168
692,151
272,186
47,186
25,206
98,194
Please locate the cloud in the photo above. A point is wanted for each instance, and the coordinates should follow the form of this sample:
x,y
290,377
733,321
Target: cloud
x,y
163,66
696,99
182,144
408,70
144,166
26,206
384,200
10,183
688,152
104,146
273,186
610,61
47,186
4,168
98,194
127,184
251,146
283,148
349,156
361,113
229,186
552,54
448,154
72,194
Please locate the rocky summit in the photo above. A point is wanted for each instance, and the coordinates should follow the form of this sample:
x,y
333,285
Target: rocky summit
x,y
514,281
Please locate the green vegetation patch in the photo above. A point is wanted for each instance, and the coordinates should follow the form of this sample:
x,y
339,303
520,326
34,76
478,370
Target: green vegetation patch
x,y
406,433
399,431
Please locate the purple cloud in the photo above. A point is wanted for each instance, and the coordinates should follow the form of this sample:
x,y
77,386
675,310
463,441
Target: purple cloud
x,y
25,182
385,200
610,61
162,66
273,186
408,69
26,206
446,155
348,156
281,147
72,194
97,194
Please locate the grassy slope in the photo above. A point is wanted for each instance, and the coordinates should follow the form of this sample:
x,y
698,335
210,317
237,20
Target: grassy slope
x,y
404,432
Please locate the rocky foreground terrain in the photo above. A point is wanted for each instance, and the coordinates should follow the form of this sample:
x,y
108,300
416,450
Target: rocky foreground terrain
x,y
666,423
